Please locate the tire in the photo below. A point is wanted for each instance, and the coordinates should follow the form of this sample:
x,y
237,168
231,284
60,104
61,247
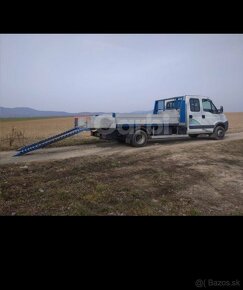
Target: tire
x,y
193,135
139,139
218,133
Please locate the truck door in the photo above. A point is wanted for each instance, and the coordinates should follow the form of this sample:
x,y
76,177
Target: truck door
x,y
195,118
210,115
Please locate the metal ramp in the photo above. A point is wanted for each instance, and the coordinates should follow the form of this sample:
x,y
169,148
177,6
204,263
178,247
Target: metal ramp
x,y
50,140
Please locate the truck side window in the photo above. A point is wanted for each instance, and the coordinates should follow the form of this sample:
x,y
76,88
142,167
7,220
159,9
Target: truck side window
x,y
170,105
194,105
173,105
208,106
160,105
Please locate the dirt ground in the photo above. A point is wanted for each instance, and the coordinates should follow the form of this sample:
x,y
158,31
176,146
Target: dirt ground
x,y
106,148
196,177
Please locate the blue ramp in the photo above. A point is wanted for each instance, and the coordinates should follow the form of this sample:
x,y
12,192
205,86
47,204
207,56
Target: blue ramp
x,y
50,140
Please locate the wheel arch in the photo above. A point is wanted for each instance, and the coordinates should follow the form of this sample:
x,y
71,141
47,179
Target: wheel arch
x,y
144,129
222,124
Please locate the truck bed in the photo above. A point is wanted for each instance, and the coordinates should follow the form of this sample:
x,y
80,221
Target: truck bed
x,y
164,117
117,119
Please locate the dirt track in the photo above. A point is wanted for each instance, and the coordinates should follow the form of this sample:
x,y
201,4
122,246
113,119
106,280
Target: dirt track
x,y
107,148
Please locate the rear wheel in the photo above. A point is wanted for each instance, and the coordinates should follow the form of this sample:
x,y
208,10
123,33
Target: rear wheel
x,y
193,135
139,139
218,133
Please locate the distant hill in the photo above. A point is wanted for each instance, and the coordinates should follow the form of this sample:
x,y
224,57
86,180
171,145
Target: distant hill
x,y
30,113
24,112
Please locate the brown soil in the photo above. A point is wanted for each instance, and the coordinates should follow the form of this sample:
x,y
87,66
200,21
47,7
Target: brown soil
x,y
196,177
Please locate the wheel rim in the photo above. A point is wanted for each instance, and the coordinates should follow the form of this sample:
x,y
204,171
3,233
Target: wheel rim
x,y
220,133
140,139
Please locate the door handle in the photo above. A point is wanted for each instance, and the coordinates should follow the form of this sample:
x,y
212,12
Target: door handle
x,y
203,116
190,116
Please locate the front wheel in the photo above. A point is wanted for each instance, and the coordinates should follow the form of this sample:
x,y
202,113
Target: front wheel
x,y
139,139
218,133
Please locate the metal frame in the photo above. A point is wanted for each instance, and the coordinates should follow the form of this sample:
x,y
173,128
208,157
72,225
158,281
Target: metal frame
x,y
176,99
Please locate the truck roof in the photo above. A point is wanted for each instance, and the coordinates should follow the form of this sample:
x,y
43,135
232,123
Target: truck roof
x,y
180,97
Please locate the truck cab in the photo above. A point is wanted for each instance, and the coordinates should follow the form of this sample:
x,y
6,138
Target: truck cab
x,y
197,114
203,117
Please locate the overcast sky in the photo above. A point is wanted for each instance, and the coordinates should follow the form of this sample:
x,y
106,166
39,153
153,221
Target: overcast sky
x,y
118,72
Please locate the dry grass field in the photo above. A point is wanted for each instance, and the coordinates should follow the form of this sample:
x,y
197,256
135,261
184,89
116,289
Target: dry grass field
x,y
15,133
235,122
19,132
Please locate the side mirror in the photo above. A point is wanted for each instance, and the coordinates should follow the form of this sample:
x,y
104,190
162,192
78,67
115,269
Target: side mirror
x,y
221,110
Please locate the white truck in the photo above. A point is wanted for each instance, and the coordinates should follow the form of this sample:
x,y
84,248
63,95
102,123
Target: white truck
x,y
174,117
189,115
